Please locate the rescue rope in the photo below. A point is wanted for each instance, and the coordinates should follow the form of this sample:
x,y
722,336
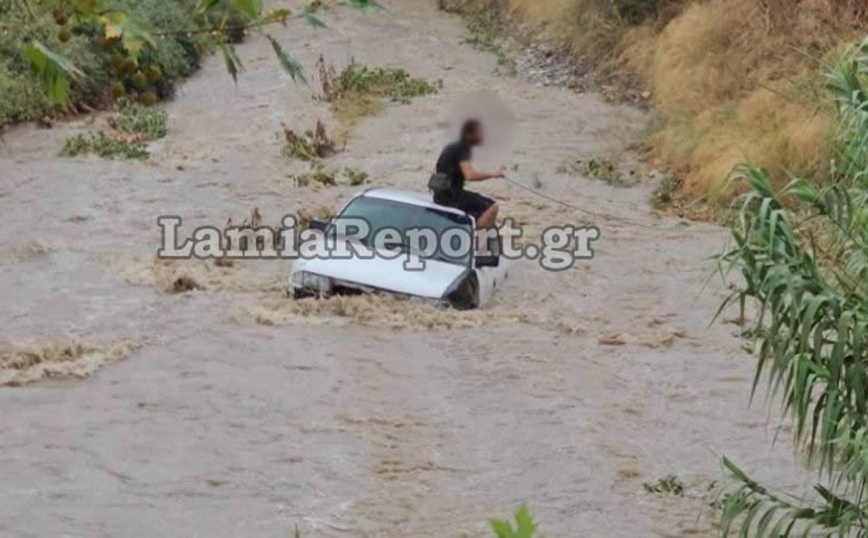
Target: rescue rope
x,y
603,216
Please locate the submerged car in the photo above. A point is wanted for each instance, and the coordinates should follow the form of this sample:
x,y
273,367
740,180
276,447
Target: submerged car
x,y
446,277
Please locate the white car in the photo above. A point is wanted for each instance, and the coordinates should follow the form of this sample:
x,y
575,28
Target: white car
x,y
462,279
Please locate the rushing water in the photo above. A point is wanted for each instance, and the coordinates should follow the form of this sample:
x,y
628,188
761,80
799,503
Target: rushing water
x,y
231,411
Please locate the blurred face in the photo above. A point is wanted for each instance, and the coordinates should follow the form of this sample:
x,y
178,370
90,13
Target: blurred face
x,y
476,136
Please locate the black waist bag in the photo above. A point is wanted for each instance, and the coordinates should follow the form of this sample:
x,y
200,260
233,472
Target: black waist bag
x,y
439,183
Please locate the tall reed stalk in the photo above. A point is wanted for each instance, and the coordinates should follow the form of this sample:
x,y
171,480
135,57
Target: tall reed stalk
x,y
802,252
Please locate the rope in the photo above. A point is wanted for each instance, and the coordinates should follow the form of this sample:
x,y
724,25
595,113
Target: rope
x,y
602,216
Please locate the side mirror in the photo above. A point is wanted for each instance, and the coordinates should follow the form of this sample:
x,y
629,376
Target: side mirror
x,y
487,261
320,225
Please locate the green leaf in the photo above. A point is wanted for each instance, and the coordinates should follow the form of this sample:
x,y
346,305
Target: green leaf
x,y
309,14
363,4
87,7
205,5
132,33
526,525
233,63
53,71
501,528
251,8
292,67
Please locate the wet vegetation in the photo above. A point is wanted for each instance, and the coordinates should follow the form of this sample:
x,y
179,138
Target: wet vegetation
x,y
321,176
394,84
486,25
135,119
668,485
599,168
525,526
356,177
358,91
313,145
801,252
318,175
129,132
59,57
106,71
664,191
104,146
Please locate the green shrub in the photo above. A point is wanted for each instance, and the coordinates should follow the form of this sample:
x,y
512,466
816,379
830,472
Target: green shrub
x,y
386,82
669,484
598,168
104,146
802,255
146,121
525,526
22,99
485,22
176,56
179,55
664,192
356,177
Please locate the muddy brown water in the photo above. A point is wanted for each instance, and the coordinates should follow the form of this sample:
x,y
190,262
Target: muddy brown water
x,y
230,412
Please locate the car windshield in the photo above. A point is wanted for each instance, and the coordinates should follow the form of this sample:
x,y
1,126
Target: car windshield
x,y
382,215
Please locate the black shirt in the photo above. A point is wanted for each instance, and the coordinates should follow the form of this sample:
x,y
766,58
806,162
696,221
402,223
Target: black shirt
x,y
450,161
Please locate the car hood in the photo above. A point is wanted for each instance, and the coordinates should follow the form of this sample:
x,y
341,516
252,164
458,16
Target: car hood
x,y
390,275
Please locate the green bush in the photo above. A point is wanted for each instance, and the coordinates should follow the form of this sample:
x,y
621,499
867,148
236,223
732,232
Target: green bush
x,y
136,119
802,255
104,146
177,56
22,99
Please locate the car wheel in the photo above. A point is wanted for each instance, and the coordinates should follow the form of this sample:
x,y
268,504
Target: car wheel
x,y
466,297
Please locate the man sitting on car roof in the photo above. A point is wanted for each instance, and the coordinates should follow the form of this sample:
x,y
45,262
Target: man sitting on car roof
x,y
455,163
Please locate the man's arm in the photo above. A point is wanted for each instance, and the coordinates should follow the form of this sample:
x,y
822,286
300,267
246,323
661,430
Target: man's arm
x,y
472,175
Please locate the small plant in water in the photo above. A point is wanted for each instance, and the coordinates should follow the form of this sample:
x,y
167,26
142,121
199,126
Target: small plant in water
x,y
356,177
485,24
598,168
669,484
104,146
310,146
130,130
384,82
358,91
664,192
525,526
135,119
318,175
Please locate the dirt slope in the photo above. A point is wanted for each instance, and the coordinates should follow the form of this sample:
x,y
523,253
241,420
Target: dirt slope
x,y
236,413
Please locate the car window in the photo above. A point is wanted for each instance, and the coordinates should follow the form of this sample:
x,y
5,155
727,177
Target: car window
x,y
381,214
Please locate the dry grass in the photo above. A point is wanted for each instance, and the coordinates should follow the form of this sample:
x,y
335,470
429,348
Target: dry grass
x,y
731,80
736,81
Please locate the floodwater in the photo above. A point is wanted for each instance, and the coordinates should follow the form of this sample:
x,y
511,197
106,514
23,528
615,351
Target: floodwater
x,y
132,411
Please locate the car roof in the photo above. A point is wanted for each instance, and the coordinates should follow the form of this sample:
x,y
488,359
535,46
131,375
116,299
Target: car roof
x,y
408,197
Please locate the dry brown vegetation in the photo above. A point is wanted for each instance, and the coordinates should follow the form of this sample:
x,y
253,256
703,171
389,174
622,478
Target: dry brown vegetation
x,y
731,80
20,365
310,146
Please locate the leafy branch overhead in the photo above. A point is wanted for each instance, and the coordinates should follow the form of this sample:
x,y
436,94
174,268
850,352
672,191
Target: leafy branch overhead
x,y
118,27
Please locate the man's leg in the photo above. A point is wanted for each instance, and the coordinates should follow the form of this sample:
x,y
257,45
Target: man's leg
x,y
488,218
